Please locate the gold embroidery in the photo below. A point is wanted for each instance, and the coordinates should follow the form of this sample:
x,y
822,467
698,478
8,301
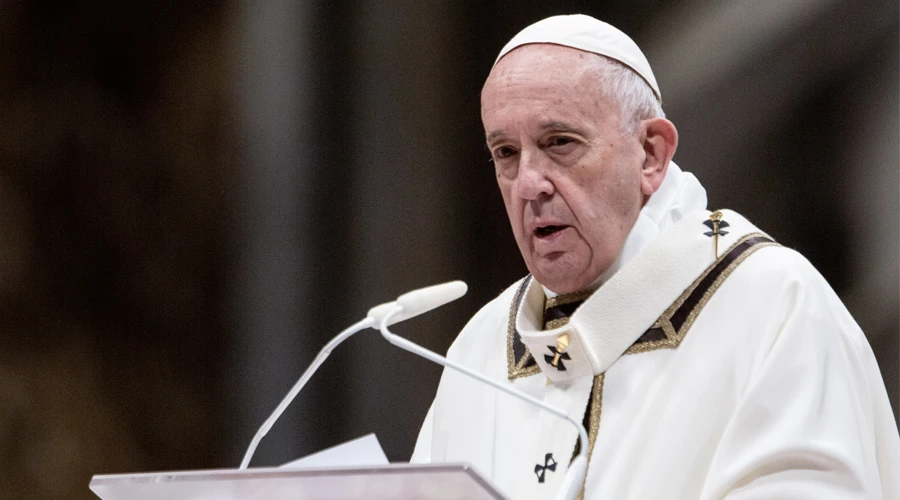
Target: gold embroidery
x,y
510,335
674,338
526,372
716,218
667,328
556,323
652,346
516,370
561,300
522,371
522,362
596,408
566,299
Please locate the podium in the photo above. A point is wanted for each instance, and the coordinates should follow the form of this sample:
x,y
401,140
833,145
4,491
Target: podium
x,y
389,482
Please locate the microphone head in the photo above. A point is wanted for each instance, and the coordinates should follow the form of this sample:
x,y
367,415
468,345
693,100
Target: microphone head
x,y
425,299
417,302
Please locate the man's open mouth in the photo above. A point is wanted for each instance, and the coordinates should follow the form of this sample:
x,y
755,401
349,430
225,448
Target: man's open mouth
x,y
545,231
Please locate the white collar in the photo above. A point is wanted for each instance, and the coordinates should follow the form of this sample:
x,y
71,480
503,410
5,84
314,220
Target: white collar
x,y
680,193
618,313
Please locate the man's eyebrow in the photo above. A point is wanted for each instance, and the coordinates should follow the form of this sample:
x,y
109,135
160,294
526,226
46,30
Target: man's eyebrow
x,y
554,126
557,126
497,134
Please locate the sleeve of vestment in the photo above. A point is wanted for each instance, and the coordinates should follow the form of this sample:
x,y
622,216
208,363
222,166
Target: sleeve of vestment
x,y
810,420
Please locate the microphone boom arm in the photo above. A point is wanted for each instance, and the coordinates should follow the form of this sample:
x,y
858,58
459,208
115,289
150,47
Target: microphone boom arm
x,y
320,358
578,467
416,302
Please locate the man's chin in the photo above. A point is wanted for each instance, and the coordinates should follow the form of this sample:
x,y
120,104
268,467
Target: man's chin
x,y
562,284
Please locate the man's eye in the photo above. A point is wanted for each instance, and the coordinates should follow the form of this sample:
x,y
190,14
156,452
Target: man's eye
x,y
560,141
504,152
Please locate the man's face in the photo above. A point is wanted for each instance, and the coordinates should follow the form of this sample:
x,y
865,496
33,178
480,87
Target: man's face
x,y
570,178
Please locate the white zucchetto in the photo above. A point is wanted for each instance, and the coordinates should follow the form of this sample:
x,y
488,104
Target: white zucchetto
x,y
590,35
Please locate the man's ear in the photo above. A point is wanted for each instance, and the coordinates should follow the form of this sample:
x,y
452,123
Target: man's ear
x,y
659,138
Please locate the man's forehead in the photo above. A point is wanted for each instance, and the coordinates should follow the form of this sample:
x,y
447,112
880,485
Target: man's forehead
x,y
552,67
557,75
525,57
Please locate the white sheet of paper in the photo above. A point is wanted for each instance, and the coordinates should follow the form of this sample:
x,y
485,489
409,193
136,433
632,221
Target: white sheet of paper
x,y
362,451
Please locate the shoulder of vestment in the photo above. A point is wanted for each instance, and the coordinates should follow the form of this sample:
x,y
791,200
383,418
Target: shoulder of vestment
x,y
785,286
779,269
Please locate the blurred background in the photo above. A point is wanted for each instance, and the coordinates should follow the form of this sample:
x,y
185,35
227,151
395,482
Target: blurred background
x,y
195,196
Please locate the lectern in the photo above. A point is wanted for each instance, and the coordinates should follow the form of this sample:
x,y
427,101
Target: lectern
x,y
389,482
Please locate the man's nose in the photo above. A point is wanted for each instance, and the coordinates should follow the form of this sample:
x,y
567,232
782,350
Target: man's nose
x,y
532,181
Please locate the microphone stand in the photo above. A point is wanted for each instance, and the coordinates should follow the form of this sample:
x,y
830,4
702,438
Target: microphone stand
x,y
407,306
415,303
320,358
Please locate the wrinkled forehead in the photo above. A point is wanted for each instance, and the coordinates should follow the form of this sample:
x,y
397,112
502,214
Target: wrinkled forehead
x,y
541,66
544,84
537,58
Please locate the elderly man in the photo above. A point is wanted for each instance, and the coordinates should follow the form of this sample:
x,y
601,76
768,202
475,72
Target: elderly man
x,y
707,360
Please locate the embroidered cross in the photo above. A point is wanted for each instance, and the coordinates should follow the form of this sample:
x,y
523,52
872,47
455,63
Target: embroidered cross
x,y
541,470
716,223
558,353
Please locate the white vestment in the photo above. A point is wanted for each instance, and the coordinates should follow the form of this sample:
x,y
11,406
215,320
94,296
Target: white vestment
x,y
735,375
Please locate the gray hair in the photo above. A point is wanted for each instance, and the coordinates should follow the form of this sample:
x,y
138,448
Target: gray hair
x,y
623,85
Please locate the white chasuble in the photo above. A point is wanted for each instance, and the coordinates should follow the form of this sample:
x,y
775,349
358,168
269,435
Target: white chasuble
x,y
714,364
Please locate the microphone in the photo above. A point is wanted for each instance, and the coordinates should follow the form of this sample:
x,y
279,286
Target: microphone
x,y
417,302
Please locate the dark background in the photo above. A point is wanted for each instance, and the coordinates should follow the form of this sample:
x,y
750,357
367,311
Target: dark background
x,y
196,196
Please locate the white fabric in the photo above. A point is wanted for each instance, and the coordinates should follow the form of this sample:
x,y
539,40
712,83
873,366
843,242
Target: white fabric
x,y
773,393
613,318
591,35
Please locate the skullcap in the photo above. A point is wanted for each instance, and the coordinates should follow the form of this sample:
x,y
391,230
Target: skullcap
x,y
590,35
